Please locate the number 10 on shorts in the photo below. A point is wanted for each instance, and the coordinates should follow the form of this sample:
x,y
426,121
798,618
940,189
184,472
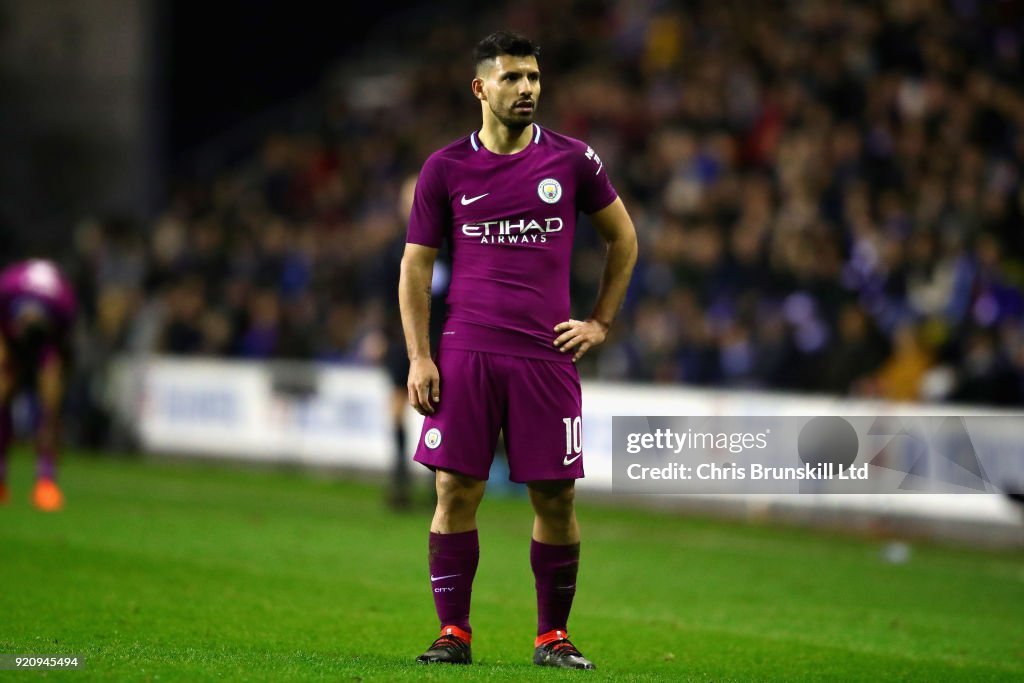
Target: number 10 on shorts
x,y
573,435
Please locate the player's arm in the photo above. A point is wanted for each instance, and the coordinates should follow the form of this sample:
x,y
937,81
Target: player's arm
x,y
424,383
5,381
615,227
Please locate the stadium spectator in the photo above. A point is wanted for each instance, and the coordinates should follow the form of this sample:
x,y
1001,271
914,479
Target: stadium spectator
x,y
810,180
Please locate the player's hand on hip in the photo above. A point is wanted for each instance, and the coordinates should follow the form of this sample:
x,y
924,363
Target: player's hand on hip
x,y
579,336
424,386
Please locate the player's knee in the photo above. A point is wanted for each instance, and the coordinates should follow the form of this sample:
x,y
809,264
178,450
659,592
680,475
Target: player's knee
x,y
457,495
51,387
455,502
553,499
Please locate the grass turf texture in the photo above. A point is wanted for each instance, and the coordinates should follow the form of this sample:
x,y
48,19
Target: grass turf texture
x,y
189,571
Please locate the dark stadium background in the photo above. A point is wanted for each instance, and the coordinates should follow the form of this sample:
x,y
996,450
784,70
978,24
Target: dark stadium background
x,y
227,61
827,195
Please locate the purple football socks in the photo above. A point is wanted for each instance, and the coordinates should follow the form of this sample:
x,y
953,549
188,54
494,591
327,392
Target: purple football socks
x,y
453,562
554,569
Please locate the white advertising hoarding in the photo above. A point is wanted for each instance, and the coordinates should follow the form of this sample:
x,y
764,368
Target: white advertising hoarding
x,y
340,416
330,416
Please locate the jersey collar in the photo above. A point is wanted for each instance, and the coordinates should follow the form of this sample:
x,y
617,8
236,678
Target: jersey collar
x,y
475,142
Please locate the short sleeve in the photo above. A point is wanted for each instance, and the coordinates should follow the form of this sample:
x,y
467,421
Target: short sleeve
x,y
431,212
594,190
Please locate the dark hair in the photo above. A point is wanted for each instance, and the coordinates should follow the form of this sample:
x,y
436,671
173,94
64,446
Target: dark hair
x,y
504,43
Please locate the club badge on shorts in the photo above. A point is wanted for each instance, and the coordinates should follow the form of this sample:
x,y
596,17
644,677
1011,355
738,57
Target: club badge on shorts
x,y
432,439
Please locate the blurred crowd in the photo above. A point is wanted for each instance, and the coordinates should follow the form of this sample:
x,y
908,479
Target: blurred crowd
x,y
827,195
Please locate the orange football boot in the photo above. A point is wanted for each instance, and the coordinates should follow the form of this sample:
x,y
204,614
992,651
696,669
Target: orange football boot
x,y
47,497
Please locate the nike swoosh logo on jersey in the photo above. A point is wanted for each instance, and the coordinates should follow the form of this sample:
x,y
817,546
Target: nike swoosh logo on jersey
x,y
438,578
470,200
566,461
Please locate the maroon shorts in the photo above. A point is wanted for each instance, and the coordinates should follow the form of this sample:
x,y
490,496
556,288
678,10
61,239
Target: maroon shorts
x,y
535,403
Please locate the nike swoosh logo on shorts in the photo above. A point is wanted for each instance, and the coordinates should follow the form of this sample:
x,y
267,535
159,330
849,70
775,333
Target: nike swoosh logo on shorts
x,y
467,202
438,578
567,461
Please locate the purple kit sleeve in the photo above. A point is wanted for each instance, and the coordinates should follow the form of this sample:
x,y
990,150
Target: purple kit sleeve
x,y
594,189
431,214
9,279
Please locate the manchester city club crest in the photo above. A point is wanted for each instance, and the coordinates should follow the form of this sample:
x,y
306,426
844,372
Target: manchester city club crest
x,y
549,190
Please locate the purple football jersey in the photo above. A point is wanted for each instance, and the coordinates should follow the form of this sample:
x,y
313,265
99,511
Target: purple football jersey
x,y
40,283
510,220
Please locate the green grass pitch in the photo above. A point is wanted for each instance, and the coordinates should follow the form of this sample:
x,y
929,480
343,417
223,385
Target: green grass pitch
x,y
187,571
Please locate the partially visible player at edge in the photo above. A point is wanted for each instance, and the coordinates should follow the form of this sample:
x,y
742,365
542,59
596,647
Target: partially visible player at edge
x,y
507,197
37,308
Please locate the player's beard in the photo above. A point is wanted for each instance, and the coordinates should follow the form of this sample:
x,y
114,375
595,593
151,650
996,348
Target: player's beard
x,y
513,120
